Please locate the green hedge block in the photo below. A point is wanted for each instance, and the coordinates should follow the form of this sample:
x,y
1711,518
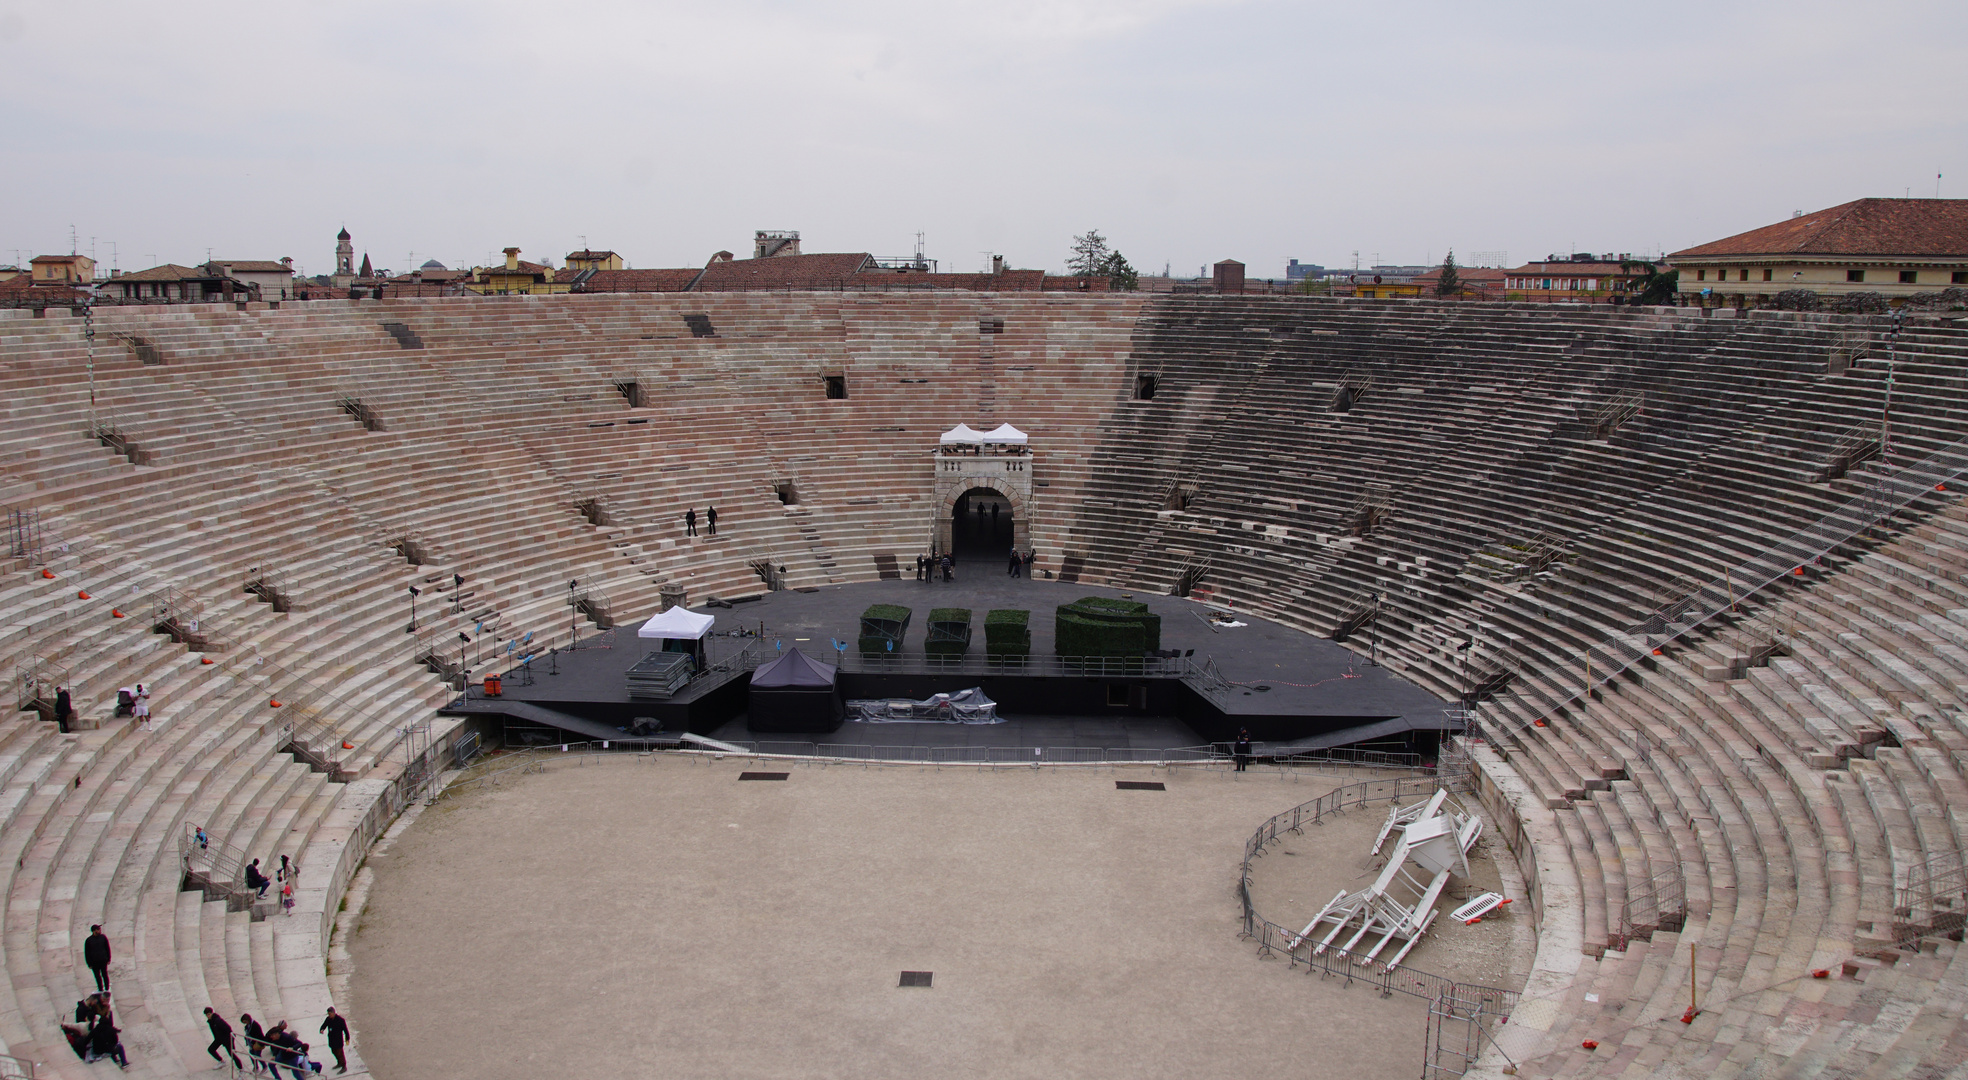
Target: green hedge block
x,y
1008,632
949,632
1099,626
881,626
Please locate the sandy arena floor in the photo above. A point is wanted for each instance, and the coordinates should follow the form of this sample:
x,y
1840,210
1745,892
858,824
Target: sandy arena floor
x,y
658,917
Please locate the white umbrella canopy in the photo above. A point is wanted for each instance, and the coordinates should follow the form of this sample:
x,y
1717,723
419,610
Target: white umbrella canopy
x,y
962,434
1005,433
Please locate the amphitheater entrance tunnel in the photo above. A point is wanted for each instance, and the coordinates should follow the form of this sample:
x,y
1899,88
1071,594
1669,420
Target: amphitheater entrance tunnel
x,y
981,527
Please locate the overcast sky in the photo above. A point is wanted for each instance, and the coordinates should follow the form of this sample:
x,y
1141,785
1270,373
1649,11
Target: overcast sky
x,y
1187,132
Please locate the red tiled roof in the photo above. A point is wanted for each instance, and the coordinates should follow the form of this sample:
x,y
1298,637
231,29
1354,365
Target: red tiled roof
x,y
253,266
16,289
1477,275
1874,227
167,272
784,272
676,280
586,254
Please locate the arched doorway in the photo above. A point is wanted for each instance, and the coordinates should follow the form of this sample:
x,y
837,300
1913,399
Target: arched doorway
x,y
982,526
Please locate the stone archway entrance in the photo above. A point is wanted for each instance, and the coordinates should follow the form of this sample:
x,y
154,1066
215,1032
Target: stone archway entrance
x,y
983,523
971,476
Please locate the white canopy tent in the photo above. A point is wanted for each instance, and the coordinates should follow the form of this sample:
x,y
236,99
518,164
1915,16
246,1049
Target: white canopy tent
x,y
962,435
679,631
1005,434
677,624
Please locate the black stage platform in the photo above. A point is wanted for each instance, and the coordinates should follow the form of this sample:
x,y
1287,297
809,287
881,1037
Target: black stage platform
x,y
1314,692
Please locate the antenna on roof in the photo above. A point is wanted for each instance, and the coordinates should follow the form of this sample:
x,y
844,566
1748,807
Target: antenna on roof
x,y
71,238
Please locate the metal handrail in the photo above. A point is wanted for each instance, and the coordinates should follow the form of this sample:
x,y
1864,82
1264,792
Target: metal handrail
x,y
1273,939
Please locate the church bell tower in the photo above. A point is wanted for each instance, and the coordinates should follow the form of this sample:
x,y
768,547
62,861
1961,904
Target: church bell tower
x,y
344,255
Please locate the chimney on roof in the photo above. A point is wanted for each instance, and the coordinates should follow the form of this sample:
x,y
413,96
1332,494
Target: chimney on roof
x,y
512,258
997,264
721,256
769,242
288,262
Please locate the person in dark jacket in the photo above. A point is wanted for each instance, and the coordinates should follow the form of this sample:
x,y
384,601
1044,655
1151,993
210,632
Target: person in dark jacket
x,y
104,1041
690,522
338,1033
711,519
255,879
95,953
221,1037
255,1042
1242,749
64,708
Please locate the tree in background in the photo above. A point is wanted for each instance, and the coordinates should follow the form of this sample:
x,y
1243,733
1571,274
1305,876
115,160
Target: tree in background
x,y
1656,287
1120,276
1450,283
1090,253
1092,258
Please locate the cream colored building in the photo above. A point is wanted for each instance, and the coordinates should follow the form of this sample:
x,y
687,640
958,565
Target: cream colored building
x,y
63,269
1894,247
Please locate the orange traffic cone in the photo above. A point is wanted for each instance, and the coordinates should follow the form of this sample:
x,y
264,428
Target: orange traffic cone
x,y
275,702
115,613
84,595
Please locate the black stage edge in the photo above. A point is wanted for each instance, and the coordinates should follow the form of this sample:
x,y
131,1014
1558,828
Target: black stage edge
x,y
1296,691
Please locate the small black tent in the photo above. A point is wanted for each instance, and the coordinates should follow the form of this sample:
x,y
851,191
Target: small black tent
x,y
795,694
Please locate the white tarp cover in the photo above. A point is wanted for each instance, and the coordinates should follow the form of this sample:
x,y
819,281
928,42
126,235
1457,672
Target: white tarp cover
x,y
1005,433
963,707
677,623
962,434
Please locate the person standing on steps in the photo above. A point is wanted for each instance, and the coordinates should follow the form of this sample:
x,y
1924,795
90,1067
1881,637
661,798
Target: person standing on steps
x,y
255,1042
711,519
690,522
338,1033
287,897
95,953
221,1037
141,710
64,708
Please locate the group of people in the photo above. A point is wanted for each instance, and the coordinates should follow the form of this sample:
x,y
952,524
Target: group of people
x,y
1021,565
283,876
271,1048
94,1034
131,701
927,566
710,521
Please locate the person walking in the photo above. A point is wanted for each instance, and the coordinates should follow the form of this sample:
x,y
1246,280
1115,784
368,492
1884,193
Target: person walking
x,y
141,709
221,1037
919,566
64,708
1016,562
255,879
949,567
711,519
1241,749
95,953
338,1033
1031,557
994,519
287,897
286,870
255,1042
690,522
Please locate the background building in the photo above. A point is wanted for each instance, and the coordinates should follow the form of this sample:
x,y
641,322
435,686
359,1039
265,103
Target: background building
x,y
1893,247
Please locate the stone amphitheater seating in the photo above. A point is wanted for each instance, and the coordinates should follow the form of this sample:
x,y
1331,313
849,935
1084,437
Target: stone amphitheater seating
x,y
1791,766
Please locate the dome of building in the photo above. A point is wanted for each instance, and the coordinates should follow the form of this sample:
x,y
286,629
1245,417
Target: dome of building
x,y
344,234
433,264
